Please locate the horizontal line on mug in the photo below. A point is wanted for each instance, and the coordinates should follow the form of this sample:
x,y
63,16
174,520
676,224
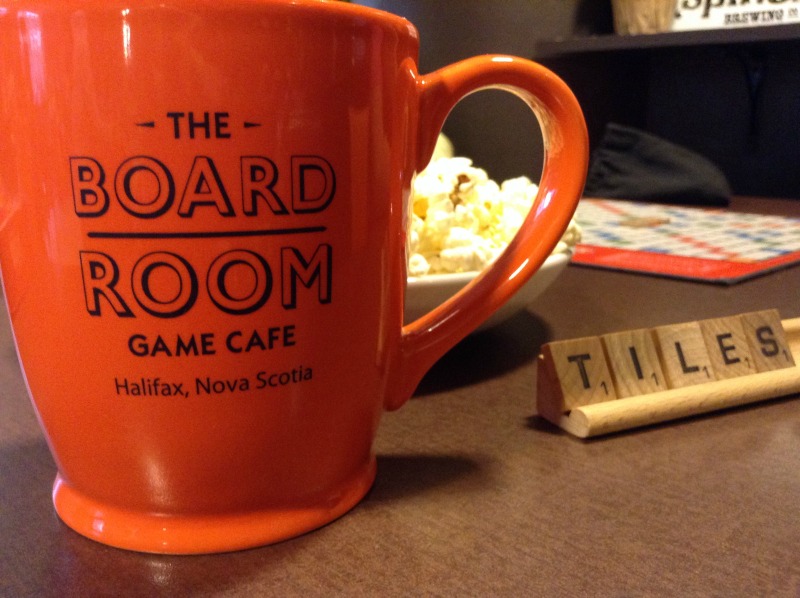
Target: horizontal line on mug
x,y
205,234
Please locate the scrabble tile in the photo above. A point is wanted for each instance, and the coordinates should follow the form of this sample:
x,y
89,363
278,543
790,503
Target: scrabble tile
x,y
575,373
768,345
633,361
728,348
683,355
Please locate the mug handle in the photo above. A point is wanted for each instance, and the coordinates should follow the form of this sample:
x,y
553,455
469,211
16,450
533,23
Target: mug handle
x,y
566,156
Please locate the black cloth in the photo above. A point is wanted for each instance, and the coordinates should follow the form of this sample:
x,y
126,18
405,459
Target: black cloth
x,y
632,164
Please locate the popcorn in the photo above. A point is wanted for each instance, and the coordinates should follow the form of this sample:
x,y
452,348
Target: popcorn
x,y
461,220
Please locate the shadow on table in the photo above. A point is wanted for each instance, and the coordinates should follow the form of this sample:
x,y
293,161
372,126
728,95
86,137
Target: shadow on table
x,y
539,424
402,476
487,354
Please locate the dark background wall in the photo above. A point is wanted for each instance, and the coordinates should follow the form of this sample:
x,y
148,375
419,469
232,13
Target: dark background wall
x,y
493,128
738,105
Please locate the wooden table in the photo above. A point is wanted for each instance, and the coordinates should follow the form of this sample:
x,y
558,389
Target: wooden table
x,y
477,496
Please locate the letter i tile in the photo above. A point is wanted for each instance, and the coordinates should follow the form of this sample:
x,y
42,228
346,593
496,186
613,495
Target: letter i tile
x,y
634,364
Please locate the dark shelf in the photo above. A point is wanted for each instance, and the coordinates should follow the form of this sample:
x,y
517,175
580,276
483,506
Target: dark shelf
x,y
617,43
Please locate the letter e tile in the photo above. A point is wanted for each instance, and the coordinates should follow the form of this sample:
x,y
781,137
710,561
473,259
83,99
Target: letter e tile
x,y
727,347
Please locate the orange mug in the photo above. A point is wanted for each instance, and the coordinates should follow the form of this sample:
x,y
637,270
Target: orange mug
x,y
203,214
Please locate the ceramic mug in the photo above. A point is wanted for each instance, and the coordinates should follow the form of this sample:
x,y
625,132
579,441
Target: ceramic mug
x,y
203,215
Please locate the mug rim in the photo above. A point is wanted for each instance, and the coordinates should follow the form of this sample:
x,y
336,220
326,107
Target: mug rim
x,y
334,7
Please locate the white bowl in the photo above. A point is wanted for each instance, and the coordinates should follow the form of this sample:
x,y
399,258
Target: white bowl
x,y
426,292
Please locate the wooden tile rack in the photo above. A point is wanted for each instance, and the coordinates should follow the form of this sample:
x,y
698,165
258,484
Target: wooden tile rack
x,y
599,385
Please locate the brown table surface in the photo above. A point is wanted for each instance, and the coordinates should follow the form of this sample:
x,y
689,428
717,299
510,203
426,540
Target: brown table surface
x,y
476,496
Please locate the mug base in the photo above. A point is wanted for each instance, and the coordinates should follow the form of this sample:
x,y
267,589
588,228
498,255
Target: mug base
x,y
181,534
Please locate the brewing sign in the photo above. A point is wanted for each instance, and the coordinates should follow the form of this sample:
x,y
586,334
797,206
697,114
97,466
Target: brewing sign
x,y
726,14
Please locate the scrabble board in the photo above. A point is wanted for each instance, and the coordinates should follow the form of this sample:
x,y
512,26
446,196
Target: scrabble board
x,y
707,244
